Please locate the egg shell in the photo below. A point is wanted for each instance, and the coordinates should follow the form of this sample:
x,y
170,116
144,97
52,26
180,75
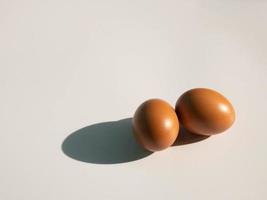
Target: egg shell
x,y
155,125
204,111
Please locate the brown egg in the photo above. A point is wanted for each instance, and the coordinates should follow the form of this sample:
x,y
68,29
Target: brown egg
x,y
155,125
204,111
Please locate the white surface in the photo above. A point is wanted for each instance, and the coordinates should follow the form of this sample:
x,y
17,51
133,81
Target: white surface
x,y
68,64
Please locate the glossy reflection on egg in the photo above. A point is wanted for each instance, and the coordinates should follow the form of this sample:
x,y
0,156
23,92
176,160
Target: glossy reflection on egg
x,y
204,111
155,125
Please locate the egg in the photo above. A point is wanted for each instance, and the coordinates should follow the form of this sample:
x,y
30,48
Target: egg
x,y
204,111
155,125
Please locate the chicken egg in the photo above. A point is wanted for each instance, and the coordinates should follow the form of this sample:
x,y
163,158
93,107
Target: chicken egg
x,y
155,125
204,111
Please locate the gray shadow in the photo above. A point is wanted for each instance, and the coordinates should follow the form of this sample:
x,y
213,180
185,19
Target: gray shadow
x,y
186,137
104,143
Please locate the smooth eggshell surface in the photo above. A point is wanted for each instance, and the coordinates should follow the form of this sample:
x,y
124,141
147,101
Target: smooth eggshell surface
x,y
155,125
204,111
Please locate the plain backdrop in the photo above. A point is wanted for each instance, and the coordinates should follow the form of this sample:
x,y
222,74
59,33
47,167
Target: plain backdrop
x,y
70,64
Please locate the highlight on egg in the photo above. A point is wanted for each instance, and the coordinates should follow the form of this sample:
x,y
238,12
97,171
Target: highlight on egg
x,y
204,111
155,125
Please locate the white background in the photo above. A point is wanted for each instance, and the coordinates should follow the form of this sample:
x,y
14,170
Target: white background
x,y
68,64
